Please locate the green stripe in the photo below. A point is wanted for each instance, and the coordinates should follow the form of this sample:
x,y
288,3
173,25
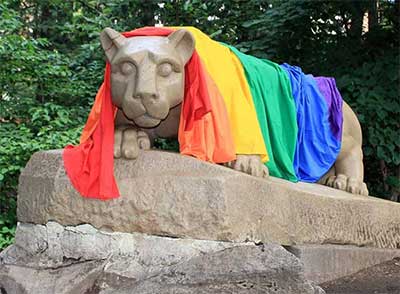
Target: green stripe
x,y
276,112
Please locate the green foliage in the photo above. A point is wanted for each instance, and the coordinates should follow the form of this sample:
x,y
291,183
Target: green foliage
x,y
372,90
43,104
41,127
52,65
221,19
166,144
325,38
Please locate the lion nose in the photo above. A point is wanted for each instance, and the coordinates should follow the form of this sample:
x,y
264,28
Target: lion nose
x,y
146,88
147,97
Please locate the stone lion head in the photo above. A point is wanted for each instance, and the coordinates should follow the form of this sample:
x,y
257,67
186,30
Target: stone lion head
x,y
147,73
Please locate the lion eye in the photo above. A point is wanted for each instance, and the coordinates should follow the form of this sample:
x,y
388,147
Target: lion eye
x,y
164,69
128,68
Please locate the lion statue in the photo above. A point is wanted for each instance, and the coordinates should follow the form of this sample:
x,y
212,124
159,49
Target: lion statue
x,y
149,82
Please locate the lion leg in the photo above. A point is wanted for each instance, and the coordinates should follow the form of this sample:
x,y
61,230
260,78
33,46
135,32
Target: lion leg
x,y
128,139
348,171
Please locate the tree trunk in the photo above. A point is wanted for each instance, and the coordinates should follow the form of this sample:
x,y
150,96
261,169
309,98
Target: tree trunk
x,y
373,14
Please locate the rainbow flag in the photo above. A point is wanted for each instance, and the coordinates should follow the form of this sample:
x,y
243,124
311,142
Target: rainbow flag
x,y
233,104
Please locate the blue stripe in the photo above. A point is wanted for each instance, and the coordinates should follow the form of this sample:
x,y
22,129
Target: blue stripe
x,y
317,148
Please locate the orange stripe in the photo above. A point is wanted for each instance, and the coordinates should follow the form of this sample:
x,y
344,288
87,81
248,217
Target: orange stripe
x,y
210,138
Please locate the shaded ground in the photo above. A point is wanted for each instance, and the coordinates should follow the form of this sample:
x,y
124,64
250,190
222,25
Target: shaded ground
x,y
383,278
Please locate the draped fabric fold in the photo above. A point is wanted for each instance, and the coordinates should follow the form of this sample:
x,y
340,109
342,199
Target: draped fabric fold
x,y
317,145
226,71
334,101
90,165
276,112
204,135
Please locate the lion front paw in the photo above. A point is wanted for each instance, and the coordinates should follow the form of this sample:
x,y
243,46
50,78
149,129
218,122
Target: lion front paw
x,y
249,164
349,184
128,141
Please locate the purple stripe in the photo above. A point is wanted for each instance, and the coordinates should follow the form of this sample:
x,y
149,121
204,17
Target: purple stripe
x,y
334,101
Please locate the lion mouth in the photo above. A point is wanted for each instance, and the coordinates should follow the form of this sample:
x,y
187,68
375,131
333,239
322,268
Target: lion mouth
x,y
145,116
146,121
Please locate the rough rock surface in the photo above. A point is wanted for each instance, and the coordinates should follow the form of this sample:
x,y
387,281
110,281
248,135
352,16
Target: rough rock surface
x,y
72,279
67,260
383,278
172,195
242,269
328,262
53,245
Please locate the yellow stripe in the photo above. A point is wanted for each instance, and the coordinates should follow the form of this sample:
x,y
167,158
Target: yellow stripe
x,y
227,72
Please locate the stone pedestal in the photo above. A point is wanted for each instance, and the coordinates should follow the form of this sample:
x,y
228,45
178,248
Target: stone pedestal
x,y
183,225
168,194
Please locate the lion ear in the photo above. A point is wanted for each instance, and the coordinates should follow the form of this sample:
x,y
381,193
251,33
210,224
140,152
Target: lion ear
x,y
111,41
184,43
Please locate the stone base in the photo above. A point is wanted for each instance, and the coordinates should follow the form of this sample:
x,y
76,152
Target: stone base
x,y
72,279
70,260
172,195
324,263
383,278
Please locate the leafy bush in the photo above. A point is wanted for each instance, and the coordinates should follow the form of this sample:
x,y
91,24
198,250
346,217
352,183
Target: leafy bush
x,y
371,91
47,126
40,107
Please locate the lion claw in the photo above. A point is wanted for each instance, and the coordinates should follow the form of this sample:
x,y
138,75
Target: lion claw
x,y
128,141
249,164
349,184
